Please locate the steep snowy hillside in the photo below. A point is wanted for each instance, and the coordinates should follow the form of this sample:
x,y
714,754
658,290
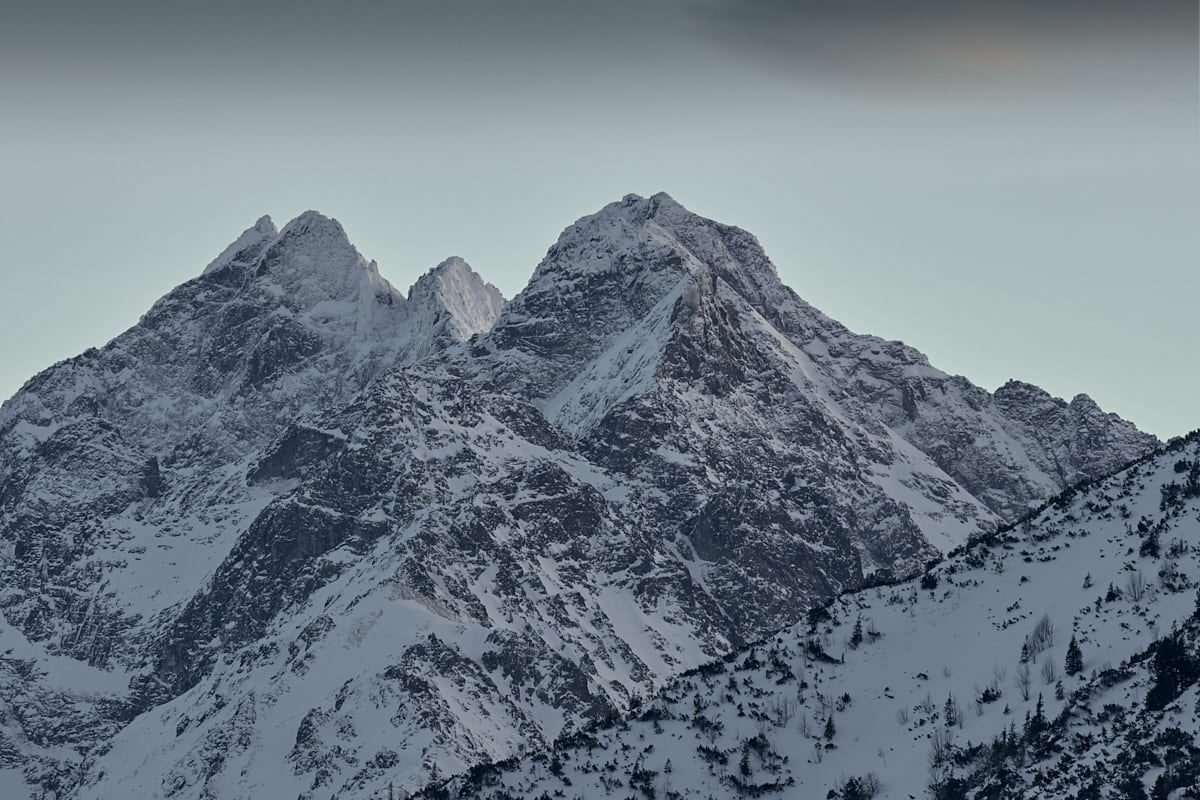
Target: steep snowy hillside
x,y
1058,658
450,304
587,334
667,348
296,534
123,472
457,587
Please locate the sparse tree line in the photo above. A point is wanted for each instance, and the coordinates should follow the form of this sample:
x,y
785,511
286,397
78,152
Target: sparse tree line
x,y
751,767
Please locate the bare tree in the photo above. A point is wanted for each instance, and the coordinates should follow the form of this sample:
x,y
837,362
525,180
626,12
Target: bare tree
x,y
1169,575
1042,636
1023,681
941,749
940,760
902,716
781,710
941,744
1049,670
826,704
1135,586
867,786
998,676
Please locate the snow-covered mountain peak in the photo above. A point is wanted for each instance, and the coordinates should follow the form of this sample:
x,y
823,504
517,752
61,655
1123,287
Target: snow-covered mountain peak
x,y
453,269
246,248
1020,390
451,303
450,264
663,220
315,234
659,204
1034,404
623,236
455,284
312,261
732,254
605,274
322,565
315,222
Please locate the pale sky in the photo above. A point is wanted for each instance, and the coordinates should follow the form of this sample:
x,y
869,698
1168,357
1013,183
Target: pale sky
x,y
1013,190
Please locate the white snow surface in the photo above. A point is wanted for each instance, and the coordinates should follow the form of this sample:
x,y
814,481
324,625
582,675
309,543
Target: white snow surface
x,y
451,303
245,248
456,634
888,695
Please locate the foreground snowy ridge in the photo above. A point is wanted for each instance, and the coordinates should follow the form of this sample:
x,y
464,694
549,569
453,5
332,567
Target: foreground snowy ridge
x,y
1058,657
297,534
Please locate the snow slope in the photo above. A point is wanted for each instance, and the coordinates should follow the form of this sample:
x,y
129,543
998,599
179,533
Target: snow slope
x,y
315,536
928,698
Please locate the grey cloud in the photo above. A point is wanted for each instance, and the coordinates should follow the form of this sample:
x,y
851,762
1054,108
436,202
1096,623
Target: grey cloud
x,y
1069,16
950,40
225,27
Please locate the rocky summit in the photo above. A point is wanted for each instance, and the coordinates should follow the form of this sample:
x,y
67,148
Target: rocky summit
x,y
297,534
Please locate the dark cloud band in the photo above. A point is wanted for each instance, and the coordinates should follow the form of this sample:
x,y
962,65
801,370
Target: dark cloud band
x,y
947,39
1065,15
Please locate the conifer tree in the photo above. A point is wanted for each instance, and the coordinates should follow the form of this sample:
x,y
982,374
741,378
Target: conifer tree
x,y
1174,671
1038,723
856,638
951,712
1150,546
1074,663
830,728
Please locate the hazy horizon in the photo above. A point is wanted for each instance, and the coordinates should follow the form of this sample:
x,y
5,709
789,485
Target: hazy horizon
x,y
1009,188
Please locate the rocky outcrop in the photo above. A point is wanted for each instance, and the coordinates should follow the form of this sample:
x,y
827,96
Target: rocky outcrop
x,y
295,523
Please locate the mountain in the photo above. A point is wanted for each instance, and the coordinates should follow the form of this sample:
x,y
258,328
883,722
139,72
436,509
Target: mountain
x,y
147,438
450,304
566,343
123,471
958,684
298,534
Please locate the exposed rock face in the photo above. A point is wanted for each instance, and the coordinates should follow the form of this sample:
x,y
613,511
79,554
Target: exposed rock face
x,y
297,521
1121,714
451,303
148,436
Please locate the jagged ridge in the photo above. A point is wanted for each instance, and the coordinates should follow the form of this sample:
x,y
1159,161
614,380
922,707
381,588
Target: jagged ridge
x,y
913,717
326,516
